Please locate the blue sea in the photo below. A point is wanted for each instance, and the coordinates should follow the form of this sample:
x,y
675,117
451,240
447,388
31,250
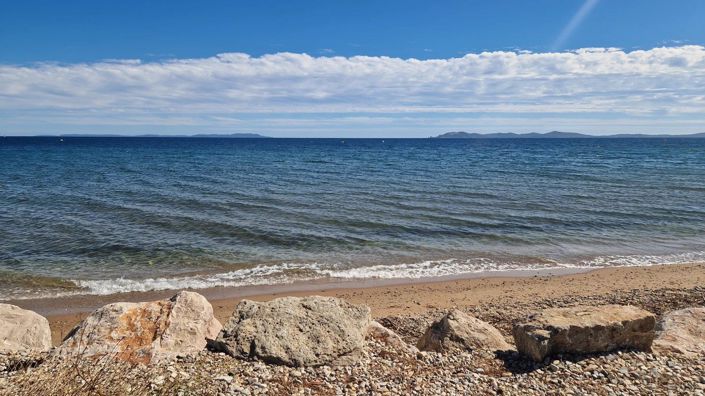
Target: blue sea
x,y
88,215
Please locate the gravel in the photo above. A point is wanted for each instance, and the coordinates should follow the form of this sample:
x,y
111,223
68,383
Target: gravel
x,y
388,370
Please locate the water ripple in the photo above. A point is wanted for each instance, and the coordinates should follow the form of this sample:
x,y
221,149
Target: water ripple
x,y
98,209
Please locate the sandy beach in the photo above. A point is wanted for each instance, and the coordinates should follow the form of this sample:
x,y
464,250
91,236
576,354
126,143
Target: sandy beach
x,y
406,298
387,368
375,198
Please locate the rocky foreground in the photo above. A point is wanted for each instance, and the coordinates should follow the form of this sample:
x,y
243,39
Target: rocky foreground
x,y
640,342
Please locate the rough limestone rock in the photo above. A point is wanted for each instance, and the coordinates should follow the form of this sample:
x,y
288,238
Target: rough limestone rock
x,y
585,329
682,332
23,330
145,332
308,331
460,331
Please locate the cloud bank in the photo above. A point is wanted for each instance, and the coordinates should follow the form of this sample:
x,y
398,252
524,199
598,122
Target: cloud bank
x,y
285,91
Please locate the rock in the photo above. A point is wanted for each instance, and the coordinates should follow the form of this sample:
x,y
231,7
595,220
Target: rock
x,y
458,330
584,329
145,332
681,332
225,378
23,330
387,336
190,323
308,331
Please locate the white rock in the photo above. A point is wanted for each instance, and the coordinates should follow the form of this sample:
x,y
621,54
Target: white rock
x,y
23,330
682,332
225,378
458,330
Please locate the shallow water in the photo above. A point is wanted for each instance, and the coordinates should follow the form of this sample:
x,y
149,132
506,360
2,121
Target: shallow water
x,y
103,215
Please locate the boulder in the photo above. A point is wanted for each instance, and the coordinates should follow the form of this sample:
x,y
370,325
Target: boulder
x,y
293,331
145,332
459,331
584,329
23,330
681,332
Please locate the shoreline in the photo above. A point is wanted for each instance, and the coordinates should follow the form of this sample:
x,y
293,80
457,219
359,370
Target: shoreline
x,y
404,296
80,303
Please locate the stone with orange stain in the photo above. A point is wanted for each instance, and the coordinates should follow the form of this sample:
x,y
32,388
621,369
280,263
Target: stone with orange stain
x,y
145,332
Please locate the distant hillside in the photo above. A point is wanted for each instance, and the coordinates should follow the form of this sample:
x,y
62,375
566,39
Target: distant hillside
x,y
552,135
200,135
641,135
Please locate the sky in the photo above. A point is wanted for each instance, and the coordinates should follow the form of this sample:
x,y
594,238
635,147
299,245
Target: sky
x,y
352,68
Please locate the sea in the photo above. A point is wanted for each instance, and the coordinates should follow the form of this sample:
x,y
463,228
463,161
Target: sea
x,y
103,215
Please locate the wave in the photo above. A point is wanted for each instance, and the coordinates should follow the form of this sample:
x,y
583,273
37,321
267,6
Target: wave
x,y
286,273
259,275
643,260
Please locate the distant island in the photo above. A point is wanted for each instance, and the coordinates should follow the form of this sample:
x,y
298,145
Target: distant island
x,y
200,135
553,135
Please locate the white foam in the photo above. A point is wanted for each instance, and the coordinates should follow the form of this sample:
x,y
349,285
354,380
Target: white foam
x,y
282,274
260,275
642,260
290,272
435,268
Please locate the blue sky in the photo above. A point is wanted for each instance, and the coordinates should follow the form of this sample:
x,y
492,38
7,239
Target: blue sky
x,y
352,68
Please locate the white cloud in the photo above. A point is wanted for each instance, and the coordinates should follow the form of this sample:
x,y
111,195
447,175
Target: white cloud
x,y
216,92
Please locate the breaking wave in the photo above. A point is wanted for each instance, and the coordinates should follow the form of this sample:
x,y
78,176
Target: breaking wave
x,y
285,273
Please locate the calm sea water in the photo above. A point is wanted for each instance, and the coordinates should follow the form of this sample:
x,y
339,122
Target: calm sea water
x,y
104,215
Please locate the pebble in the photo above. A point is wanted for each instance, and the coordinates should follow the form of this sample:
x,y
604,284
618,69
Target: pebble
x,y
226,378
388,370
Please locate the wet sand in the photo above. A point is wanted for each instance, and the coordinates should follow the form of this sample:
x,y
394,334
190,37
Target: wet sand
x,y
405,297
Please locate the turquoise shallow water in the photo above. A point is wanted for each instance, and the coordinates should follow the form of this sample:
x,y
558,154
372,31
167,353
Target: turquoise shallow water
x,y
102,215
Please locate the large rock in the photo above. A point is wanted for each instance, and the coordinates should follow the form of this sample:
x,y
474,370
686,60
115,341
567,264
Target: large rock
x,y
585,329
23,330
460,331
308,331
682,332
145,332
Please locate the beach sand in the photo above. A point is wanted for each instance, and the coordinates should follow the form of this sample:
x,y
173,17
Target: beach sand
x,y
403,298
406,307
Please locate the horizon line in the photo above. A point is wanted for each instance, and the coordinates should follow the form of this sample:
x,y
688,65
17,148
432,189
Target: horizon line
x,y
260,136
